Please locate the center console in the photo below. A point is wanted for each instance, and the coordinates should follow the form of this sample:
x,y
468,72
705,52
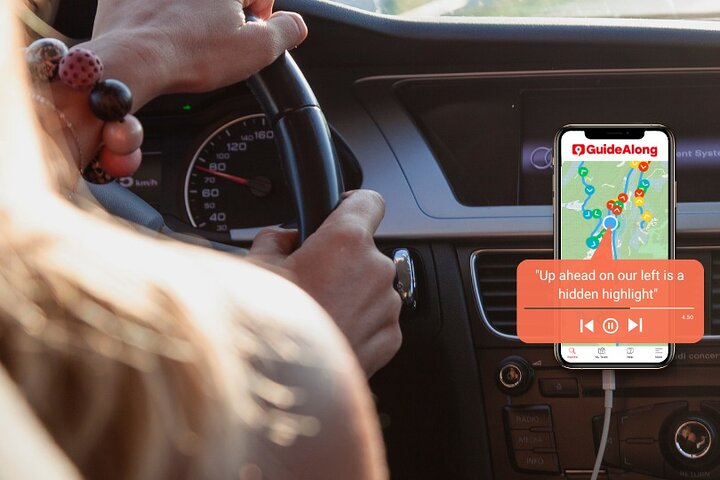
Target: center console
x,y
664,423
545,421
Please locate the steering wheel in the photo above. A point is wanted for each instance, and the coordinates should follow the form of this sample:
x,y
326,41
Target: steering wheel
x,y
303,138
306,153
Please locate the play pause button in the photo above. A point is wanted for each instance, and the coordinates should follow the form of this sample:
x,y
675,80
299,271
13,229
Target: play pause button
x,y
632,325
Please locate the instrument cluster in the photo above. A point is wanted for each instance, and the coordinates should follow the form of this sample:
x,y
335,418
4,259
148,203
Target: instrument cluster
x,y
211,166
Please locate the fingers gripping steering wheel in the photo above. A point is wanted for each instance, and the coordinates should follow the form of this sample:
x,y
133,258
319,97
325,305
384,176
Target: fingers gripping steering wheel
x,y
303,138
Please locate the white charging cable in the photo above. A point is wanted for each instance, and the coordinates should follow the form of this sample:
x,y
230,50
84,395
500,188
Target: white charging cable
x,y
608,384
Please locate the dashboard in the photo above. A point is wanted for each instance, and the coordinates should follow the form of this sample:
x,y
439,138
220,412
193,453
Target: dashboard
x,y
452,122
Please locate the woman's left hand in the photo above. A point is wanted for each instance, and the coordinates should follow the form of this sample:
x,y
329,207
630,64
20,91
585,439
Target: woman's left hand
x,y
159,47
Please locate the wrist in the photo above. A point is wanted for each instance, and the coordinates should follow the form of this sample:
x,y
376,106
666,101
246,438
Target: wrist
x,y
92,109
137,67
75,107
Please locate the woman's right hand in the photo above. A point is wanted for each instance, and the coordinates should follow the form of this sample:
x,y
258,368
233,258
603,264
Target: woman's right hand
x,y
342,269
189,45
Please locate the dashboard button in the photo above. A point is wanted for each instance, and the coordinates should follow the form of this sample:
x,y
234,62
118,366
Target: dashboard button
x,y
526,418
645,422
645,457
527,440
559,387
537,462
694,473
612,450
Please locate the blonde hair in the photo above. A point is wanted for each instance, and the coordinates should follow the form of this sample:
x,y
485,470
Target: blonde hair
x,y
144,358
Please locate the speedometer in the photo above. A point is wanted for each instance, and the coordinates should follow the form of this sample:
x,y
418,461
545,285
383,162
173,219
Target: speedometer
x,y
235,179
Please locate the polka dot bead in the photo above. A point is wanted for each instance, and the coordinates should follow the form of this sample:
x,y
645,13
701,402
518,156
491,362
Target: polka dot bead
x,y
43,57
81,69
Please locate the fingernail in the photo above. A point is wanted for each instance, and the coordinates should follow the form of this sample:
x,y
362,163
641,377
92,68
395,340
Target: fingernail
x,y
302,28
299,23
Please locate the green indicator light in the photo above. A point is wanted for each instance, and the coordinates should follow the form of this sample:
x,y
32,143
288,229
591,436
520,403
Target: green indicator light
x,y
187,107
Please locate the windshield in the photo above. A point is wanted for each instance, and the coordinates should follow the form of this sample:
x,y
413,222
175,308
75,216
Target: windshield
x,y
681,9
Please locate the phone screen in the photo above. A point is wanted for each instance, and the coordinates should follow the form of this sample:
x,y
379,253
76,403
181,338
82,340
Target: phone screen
x,y
614,197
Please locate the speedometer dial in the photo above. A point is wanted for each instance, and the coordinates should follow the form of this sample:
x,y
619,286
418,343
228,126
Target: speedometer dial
x,y
235,179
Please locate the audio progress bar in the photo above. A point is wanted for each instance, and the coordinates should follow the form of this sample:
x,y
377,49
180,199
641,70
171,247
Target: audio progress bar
x,y
608,308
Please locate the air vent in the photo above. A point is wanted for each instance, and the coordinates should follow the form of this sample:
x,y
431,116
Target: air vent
x,y
714,310
495,285
710,259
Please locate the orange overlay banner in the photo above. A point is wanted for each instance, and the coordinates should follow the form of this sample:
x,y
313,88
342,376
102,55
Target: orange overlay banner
x,y
610,301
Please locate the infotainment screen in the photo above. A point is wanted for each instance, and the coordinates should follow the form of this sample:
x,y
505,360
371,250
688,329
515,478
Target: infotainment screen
x,y
698,145
492,135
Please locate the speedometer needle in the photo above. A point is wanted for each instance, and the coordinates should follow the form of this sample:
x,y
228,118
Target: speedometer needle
x,y
226,176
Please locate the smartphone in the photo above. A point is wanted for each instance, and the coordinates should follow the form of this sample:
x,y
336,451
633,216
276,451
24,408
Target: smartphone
x,y
614,183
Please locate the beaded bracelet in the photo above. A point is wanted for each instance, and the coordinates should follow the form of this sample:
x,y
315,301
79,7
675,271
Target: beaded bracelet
x,y
109,100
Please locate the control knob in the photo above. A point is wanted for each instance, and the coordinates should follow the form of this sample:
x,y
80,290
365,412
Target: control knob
x,y
514,375
693,441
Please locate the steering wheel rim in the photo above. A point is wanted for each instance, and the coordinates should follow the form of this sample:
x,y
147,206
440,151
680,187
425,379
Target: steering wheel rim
x,y
303,138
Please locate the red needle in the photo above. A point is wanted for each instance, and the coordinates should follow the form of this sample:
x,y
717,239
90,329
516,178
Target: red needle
x,y
226,176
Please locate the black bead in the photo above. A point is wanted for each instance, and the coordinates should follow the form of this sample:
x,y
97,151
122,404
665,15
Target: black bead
x,y
110,100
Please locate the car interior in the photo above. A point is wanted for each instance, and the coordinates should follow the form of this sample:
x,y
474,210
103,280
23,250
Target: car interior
x,y
452,120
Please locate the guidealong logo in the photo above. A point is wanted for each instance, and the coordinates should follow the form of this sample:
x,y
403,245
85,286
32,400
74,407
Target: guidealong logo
x,y
579,149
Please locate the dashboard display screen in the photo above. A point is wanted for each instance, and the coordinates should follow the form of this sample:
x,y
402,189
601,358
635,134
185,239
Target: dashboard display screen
x,y
698,144
499,130
614,203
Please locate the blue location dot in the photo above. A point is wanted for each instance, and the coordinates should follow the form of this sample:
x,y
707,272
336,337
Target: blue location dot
x,y
644,183
589,189
592,242
587,214
610,222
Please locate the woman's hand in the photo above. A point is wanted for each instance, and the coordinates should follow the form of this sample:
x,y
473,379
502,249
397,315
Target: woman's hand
x,y
159,47
342,269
